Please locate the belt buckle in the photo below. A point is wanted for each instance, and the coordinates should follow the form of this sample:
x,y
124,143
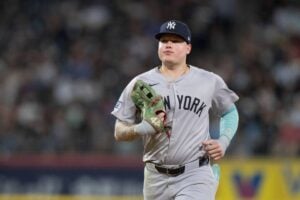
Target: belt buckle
x,y
203,161
170,171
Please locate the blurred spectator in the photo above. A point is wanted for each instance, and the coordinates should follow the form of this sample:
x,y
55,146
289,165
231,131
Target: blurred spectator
x,y
63,63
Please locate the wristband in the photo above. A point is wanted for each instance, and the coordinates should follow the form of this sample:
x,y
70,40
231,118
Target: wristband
x,y
144,128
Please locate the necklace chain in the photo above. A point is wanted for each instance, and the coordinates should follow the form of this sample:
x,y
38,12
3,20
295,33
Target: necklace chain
x,y
161,69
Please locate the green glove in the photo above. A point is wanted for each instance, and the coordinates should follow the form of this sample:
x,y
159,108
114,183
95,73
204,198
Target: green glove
x,y
150,104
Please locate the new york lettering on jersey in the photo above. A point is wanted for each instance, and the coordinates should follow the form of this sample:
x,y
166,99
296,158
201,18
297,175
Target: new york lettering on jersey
x,y
188,103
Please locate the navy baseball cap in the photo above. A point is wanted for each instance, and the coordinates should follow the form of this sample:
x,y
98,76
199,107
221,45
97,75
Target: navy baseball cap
x,y
175,27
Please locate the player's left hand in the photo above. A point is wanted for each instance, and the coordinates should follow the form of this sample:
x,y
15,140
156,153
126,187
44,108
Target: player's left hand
x,y
213,149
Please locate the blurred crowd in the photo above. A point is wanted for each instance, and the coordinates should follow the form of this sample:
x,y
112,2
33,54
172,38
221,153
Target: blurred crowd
x,y
64,63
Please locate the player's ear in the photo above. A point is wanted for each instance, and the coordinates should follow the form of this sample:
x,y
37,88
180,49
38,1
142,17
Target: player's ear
x,y
189,49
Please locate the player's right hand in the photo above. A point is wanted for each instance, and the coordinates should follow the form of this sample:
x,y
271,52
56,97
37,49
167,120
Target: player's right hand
x,y
150,104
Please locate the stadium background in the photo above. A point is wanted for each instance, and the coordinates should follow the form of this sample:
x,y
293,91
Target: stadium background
x,y
63,64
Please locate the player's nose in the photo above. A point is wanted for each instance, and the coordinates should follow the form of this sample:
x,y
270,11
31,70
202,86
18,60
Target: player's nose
x,y
169,43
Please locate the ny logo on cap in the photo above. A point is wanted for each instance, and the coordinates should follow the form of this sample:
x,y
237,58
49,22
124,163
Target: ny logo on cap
x,y
171,25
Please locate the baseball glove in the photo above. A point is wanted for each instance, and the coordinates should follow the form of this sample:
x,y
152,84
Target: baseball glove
x,y
150,104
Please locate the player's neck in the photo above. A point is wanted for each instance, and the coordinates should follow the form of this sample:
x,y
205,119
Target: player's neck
x,y
172,72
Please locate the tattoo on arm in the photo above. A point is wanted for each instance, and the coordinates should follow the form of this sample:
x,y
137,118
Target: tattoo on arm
x,y
124,131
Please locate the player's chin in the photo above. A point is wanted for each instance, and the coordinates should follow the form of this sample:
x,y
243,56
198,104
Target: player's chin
x,y
169,62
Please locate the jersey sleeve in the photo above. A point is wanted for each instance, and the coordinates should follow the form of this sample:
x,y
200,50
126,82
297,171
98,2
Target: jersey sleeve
x,y
223,97
125,109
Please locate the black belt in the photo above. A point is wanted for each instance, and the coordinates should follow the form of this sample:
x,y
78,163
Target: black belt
x,y
180,170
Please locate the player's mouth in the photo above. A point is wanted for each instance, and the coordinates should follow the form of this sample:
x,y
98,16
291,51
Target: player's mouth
x,y
168,52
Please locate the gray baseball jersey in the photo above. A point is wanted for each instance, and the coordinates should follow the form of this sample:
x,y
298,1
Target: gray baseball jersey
x,y
187,101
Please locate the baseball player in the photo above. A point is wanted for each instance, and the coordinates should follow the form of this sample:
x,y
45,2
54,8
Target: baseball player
x,y
178,160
